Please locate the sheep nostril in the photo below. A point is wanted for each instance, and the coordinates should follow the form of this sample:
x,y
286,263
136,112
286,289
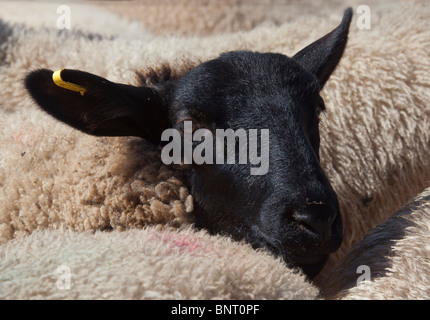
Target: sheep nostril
x,y
313,202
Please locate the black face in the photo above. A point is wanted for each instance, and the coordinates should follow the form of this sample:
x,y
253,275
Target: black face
x,y
289,209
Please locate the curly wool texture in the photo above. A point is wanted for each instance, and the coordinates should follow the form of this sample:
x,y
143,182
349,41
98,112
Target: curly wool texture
x,y
87,191
52,176
375,142
397,254
137,264
375,137
210,17
67,179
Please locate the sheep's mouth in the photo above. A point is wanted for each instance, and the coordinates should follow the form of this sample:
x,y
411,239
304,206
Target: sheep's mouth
x,y
311,264
294,256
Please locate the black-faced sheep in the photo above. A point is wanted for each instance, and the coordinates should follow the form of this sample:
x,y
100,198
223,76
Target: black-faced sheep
x,y
292,210
374,150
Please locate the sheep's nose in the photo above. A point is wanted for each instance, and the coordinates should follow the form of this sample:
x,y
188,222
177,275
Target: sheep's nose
x,y
323,220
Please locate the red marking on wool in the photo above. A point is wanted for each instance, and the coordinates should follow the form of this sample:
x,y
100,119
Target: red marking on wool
x,y
19,137
184,243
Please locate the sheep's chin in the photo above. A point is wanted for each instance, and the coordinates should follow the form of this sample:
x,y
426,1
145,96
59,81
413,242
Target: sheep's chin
x,y
312,270
311,265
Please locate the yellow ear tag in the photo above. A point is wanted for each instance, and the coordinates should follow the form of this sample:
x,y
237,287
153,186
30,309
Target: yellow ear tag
x,y
67,85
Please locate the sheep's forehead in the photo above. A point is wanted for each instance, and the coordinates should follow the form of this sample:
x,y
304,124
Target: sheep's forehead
x,y
243,83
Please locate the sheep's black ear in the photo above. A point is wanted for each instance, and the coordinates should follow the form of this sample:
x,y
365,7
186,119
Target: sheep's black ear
x,y
102,108
322,56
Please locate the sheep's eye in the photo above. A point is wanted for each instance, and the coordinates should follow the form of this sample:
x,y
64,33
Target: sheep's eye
x,y
320,106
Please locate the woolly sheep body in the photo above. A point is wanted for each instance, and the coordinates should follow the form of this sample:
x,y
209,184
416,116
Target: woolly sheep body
x,y
137,264
397,254
74,187
191,17
376,149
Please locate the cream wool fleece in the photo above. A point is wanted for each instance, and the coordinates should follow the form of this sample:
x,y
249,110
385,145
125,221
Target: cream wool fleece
x,y
374,139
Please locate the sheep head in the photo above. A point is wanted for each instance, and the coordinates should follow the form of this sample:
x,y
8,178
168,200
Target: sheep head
x,y
289,207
